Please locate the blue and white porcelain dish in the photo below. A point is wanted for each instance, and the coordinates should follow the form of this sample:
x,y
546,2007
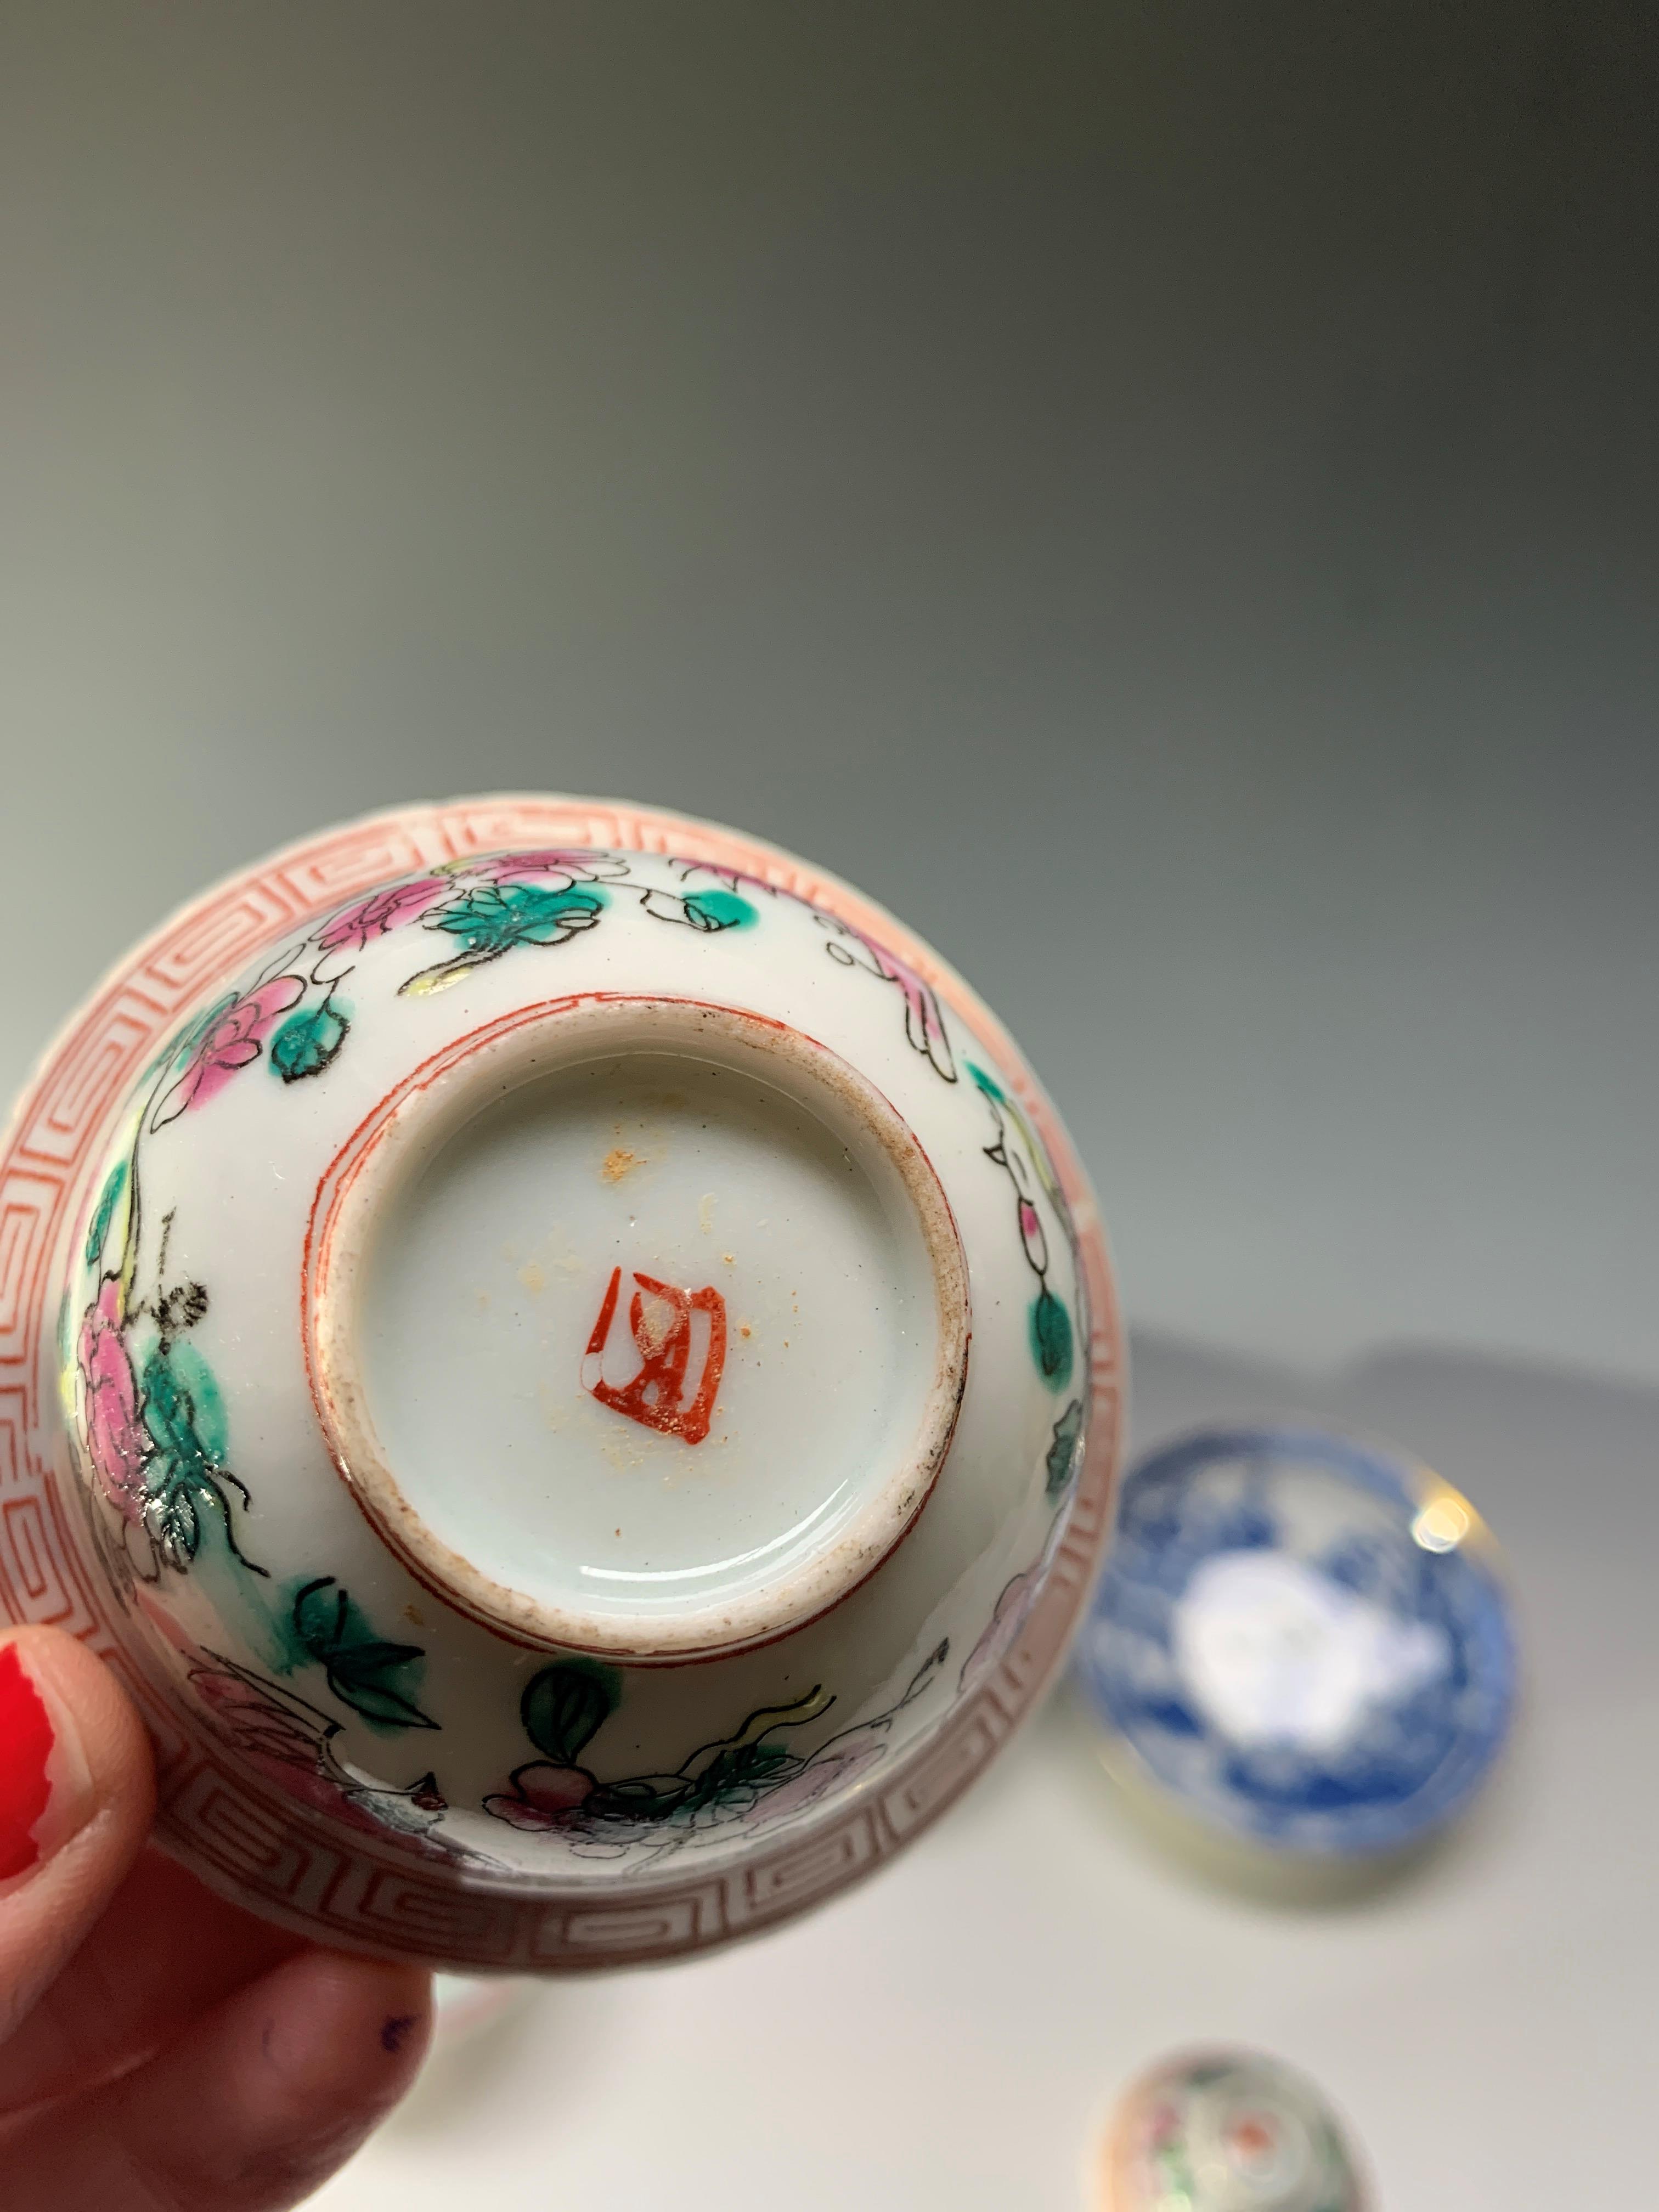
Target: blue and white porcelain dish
x,y
1302,1641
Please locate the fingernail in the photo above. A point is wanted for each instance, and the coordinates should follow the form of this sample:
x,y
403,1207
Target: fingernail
x,y
46,1787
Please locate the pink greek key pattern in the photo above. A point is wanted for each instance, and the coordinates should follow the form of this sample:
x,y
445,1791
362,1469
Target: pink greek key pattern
x,y
236,1832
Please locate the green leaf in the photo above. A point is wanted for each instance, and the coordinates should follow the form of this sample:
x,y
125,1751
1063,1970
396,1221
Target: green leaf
x,y
320,1616
491,918
1051,1339
360,1662
206,1407
172,1518
719,910
185,1417
184,1411
308,1040
564,1706
641,1797
114,1183
378,1702
1062,1454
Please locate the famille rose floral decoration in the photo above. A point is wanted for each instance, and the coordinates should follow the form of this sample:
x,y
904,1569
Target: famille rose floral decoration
x,y
568,1361
1227,2131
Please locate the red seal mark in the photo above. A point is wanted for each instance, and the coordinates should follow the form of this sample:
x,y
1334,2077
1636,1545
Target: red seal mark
x,y
667,1325
1252,2141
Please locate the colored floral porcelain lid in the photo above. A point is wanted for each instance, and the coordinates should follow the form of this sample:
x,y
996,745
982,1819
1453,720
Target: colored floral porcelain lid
x,y
1226,2132
570,1362
1303,1641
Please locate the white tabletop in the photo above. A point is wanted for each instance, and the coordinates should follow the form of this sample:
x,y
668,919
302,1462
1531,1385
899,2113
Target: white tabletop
x,y
947,2038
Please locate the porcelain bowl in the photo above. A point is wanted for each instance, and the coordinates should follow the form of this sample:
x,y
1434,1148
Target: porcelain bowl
x,y
569,1361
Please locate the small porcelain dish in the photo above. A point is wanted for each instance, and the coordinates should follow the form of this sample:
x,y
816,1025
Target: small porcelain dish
x,y
1226,2132
1302,1644
568,1361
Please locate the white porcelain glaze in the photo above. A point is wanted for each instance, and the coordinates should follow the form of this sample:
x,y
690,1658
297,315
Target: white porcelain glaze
x,y
475,1238
579,1380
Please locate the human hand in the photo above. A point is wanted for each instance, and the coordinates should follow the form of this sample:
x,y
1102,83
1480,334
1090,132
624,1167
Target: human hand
x,y
160,2051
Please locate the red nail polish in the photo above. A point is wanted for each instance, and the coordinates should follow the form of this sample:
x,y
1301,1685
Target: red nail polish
x,y
26,1742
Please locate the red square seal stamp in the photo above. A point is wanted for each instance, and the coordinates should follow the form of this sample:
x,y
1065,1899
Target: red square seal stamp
x,y
669,1356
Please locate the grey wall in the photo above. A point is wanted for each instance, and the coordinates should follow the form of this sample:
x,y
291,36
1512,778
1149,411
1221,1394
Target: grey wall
x,y
1164,497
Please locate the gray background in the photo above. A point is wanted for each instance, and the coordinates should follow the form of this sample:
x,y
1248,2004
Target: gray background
x,y
1164,498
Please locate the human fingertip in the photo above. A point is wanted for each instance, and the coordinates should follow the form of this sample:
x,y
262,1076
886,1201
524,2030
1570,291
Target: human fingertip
x,y
250,2108
396,2030
353,2029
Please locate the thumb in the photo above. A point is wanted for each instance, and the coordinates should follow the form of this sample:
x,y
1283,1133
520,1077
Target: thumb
x,y
77,1790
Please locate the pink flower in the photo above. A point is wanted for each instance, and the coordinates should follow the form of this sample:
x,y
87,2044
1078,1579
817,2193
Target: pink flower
x,y
1013,1611
387,909
265,1730
734,879
924,1023
233,1039
832,1768
576,867
290,1749
116,1438
544,1796
1164,2125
